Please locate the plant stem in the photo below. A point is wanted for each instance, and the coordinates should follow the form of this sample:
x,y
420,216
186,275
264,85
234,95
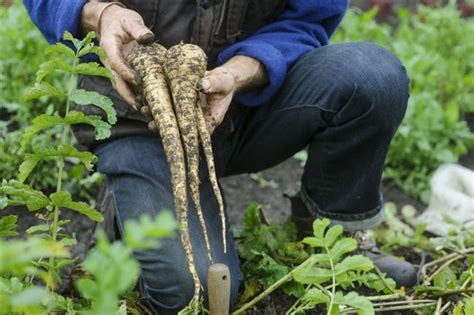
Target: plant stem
x,y
298,301
60,164
404,307
393,303
443,266
438,306
333,289
393,308
271,288
293,307
441,311
446,258
384,297
382,278
453,292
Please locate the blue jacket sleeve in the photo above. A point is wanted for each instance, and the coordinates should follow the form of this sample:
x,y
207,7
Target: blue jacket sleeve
x,y
303,26
54,17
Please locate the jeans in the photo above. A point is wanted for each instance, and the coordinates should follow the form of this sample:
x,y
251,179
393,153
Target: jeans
x,y
343,102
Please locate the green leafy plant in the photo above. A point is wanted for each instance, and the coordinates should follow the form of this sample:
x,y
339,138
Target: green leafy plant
x,y
49,234
273,259
21,54
268,251
448,273
329,274
110,269
330,265
436,48
16,192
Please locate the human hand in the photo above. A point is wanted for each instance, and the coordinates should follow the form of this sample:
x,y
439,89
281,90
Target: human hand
x,y
221,84
218,86
119,29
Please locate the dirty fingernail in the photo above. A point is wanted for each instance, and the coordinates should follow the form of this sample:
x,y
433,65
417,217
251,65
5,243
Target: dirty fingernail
x,y
146,38
205,85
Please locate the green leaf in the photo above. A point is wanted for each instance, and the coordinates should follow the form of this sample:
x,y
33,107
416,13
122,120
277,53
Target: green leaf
x,y
64,151
40,123
112,271
378,283
312,275
342,246
87,287
60,48
144,233
319,227
355,263
38,228
322,259
29,296
50,66
445,279
68,37
361,303
469,307
20,194
251,220
333,234
63,199
314,242
83,97
88,39
92,49
316,297
43,89
269,270
3,202
64,262
17,256
44,121
102,129
28,165
94,69
8,225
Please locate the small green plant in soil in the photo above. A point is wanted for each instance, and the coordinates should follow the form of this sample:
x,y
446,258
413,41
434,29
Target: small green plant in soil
x,y
17,192
274,259
324,273
30,268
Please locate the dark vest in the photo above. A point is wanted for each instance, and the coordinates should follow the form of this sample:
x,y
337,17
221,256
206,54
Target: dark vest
x,y
210,24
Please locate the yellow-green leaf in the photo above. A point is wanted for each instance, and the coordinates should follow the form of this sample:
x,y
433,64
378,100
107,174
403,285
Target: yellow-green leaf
x,y
63,199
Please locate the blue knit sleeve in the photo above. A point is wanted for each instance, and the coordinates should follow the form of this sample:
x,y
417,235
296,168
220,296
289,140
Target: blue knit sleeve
x,y
303,26
54,17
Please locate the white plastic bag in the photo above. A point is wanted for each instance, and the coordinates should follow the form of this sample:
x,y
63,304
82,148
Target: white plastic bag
x,y
452,195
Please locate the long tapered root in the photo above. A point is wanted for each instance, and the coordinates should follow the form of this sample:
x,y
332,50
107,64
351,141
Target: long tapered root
x,y
148,62
207,146
185,65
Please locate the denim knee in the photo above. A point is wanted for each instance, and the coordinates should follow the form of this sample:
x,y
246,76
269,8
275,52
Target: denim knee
x,y
366,76
169,290
381,80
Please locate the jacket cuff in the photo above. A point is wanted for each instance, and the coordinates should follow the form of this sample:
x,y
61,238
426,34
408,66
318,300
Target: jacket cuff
x,y
273,61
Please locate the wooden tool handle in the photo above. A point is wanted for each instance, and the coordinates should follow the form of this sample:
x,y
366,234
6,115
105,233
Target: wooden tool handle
x,y
218,285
